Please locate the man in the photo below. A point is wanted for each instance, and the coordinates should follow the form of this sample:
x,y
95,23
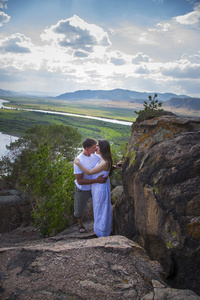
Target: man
x,y
89,159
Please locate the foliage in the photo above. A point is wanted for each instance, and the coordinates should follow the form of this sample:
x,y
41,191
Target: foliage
x,y
151,109
117,154
34,158
16,122
59,138
152,104
54,196
40,165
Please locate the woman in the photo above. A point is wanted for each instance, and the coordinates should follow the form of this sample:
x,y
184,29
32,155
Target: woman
x,y
101,195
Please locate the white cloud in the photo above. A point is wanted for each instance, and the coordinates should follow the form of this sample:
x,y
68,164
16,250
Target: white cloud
x,y
191,18
111,31
143,70
80,54
117,61
18,51
118,58
9,74
74,33
183,69
140,58
4,18
3,4
16,43
75,53
194,59
160,27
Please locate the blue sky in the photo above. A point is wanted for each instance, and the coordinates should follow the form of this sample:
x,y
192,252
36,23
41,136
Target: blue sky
x,y
58,46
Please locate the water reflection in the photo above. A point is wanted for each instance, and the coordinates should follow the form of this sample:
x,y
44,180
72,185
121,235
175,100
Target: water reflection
x,y
5,139
2,101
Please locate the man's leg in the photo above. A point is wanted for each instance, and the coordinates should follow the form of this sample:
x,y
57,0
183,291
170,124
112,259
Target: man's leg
x,y
80,222
80,203
80,225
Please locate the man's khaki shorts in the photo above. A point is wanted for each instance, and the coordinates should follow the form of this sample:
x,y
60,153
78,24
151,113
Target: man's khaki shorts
x,y
80,201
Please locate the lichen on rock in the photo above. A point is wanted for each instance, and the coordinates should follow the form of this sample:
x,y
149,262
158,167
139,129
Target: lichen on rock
x,y
161,182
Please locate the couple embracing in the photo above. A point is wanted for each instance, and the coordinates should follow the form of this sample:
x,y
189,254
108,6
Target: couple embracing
x,y
92,169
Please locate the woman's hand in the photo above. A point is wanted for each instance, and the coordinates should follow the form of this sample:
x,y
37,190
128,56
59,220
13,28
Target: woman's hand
x,y
118,165
76,161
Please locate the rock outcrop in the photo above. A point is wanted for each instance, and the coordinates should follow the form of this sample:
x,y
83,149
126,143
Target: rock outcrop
x,y
15,208
160,206
67,267
76,266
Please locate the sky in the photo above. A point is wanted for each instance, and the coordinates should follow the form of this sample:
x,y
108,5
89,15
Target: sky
x,y
59,46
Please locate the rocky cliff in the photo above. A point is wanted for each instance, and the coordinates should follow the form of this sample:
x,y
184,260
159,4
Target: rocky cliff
x,y
160,205
157,209
15,208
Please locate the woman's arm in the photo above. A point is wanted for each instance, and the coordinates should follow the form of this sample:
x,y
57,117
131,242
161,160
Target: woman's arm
x,y
100,167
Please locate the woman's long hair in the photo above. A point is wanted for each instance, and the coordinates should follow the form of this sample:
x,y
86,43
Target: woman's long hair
x,y
106,153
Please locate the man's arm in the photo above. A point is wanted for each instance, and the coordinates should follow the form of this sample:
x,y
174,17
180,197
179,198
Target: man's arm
x,y
82,181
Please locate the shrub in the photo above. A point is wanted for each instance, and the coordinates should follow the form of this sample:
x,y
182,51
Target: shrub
x,y
151,109
39,165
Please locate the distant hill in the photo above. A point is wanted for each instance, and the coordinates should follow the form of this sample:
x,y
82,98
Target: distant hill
x,y
116,94
6,93
187,103
11,93
27,94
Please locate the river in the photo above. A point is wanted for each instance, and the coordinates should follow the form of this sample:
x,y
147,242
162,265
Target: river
x,y
73,115
6,139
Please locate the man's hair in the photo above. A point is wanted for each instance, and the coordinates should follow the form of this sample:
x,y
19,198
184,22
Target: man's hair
x,y
88,142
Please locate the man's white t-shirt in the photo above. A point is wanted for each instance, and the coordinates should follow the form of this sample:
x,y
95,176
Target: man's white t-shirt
x,y
88,162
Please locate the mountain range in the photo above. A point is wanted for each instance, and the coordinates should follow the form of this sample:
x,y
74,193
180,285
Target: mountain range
x,y
169,100
7,93
116,94
188,103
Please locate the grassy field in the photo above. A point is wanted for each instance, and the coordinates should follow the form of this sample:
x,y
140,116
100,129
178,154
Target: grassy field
x,y
15,122
101,108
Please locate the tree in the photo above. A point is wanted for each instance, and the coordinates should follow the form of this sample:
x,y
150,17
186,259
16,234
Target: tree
x,y
151,109
39,165
152,103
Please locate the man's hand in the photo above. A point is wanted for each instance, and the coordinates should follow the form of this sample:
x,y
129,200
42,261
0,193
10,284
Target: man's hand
x,y
101,179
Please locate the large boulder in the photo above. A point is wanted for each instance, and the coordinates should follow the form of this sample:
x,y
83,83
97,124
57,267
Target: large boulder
x,y
15,209
160,205
70,266
104,268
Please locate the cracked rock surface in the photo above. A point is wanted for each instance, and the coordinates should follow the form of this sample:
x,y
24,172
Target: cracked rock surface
x,y
77,266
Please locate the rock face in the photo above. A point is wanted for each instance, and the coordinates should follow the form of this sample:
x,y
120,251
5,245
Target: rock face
x,y
14,209
62,268
160,205
76,266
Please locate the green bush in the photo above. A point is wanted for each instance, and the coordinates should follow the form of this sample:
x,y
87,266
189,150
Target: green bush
x,y
39,164
151,109
54,196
